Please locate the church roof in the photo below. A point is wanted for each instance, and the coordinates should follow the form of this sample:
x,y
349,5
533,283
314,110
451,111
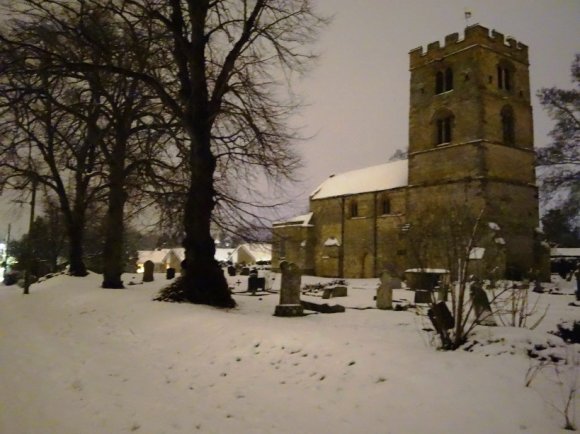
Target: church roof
x,y
375,178
301,220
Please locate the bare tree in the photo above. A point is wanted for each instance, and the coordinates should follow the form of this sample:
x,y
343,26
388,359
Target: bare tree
x,y
43,143
231,62
451,238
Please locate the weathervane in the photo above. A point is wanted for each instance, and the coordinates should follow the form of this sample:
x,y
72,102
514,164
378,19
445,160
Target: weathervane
x,y
467,13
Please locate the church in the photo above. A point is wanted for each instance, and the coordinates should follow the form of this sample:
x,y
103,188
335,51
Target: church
x,y
470,151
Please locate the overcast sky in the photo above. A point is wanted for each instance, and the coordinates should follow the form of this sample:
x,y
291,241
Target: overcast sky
x,y
358,94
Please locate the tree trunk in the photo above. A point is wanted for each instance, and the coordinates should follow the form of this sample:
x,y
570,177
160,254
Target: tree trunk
x,y
113,250
203,281
76,263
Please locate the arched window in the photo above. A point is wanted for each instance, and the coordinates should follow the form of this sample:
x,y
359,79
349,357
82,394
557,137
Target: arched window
x,y
443,80
353,208
505,76
444,123
508,125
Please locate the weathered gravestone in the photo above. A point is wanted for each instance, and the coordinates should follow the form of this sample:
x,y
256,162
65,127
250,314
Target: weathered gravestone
x,y
442,292
255,283
170,273
442,320
385,291
231,270
290,291
423,296
481,305
335,291
148,268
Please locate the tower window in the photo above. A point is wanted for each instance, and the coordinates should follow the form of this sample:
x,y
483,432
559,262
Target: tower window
x,y
354,208
504,76
443,81
508,125
444,127
385,206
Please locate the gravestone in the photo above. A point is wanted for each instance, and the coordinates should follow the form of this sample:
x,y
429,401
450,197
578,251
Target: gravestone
x,y
245,271
255,283
385,291
481,305
422,296
231,270
290,291
148,268
335,291
442,292
170,273
268,278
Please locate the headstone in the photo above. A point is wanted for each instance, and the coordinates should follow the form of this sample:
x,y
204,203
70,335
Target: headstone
x,y
148,268
245,271
441,316
252,284
422,296
170,273
442,292
231,270
323,308
335,291
481,305
385,292
290,291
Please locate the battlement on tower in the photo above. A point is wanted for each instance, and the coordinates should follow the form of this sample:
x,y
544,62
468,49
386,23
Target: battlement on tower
x,y
474,35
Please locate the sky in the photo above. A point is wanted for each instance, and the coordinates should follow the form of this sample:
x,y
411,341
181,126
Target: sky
x,y
358,93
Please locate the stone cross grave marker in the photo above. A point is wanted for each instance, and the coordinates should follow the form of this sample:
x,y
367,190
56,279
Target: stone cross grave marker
x,y
290,291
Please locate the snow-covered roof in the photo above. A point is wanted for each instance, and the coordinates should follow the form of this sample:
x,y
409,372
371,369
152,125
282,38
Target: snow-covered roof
x,y
258,251
375,178
300,220
156,256
565,251
427,270
221,254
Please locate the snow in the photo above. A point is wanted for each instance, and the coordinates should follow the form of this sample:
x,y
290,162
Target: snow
x,y
222,254
477,253
78,359
156,256
375,178
565,251
332,241
301,220
257,251
428,270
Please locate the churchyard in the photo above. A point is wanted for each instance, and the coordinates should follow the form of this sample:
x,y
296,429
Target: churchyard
x,y
80,359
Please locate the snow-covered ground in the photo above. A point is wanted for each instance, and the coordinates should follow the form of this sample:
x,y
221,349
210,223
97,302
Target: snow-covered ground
x,y
78,359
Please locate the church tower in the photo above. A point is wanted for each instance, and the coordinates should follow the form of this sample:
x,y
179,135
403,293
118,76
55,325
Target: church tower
x,y
471,135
